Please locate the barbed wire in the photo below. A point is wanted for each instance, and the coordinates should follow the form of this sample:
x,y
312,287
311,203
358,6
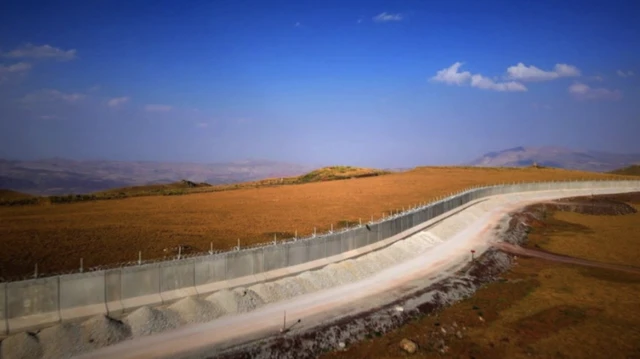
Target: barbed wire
x,y
316,236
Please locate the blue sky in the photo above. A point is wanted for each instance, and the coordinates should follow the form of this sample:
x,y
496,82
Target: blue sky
x,y
373,83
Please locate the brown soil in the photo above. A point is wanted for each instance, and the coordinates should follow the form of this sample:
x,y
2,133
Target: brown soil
x,y
56,237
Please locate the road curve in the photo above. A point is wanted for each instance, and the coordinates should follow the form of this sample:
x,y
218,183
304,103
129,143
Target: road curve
x,y
204,340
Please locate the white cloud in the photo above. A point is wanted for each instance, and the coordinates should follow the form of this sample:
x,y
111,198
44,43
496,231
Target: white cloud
x,y
48,117
9,71
452,76
158,108
298,24
486,83
41,52
584,92
625,74
531,73
385,17
52,95
117,101
18,67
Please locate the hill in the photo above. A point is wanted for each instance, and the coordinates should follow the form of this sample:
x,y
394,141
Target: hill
x,y
187,187
9,195
59,176
557,157
179,187
338,173
633,170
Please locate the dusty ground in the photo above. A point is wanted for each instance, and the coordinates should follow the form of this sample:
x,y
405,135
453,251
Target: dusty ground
x,y
56,237
539,309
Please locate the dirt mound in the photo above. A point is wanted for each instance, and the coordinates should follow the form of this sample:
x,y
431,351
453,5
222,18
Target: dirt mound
x,y
146,321
103,330
61,341
22,345
196,310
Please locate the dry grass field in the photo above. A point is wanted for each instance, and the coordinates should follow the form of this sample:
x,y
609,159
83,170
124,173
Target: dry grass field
x,y
542,309
633,170
591,237
9,195
56,236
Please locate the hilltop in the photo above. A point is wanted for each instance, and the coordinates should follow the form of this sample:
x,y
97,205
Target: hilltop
x,y
633,170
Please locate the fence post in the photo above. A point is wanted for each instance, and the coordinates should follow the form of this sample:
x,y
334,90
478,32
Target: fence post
x,y
139,257
35,273
81,266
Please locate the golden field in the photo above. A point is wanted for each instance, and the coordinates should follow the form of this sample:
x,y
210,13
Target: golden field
x,y
56,236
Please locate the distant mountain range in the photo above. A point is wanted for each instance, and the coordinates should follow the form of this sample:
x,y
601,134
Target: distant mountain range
x,y
557,157
57,176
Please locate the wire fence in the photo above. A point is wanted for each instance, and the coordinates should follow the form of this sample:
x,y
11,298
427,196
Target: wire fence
x,y
240,247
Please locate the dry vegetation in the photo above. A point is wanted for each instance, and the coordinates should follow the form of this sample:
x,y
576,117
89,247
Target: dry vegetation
x,y
633,170
9,195
104,232
541,309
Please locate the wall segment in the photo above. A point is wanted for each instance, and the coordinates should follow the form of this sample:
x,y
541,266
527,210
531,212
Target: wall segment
x,y
35,303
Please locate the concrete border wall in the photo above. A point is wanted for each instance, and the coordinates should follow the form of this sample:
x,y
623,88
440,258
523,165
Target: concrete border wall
x,y
36,303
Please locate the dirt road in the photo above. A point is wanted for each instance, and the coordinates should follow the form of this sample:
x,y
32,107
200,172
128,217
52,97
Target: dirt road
x,y
513,249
